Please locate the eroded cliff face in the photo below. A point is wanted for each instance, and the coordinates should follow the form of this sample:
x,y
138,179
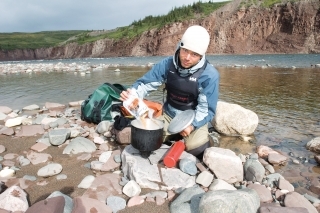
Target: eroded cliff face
x,y
289,28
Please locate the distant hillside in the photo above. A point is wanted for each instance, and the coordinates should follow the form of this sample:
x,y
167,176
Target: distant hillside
x,y
237,27
12,41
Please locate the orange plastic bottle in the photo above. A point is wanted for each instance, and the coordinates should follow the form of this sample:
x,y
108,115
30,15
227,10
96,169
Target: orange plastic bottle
x,y
172,157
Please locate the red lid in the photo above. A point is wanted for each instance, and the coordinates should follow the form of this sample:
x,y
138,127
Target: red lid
x,y
169,161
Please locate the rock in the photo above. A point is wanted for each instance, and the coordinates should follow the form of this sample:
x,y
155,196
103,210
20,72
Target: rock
x,y
131,189
75,103
204,178
278,209
188,166
49,205
31,107
39,147
232,119
277,159
2,148
283,184
49,170
50,105
224,164
218,184
123,136
59,136
14,199
79,145
6,131
86,182
294,199
253,170
67,200
13,122
240,201
147,173
30,130
2,116
104,157
104,186
183,202
264,193
85,204
37,158
6,173
116,203
5,109
314,145
134,201
103,127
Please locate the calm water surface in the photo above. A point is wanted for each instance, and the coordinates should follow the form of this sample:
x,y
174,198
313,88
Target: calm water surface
x,y
286,100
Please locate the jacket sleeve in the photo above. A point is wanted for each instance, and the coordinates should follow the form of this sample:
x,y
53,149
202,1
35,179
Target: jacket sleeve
x,y
152,79
208,97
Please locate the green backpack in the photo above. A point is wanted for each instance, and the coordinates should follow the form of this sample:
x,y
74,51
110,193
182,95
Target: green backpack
x,y
97,107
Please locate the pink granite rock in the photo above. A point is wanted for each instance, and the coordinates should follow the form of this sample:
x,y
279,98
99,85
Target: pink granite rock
x,y
294,199
50,205
264,193
111,164
39,147
135,200
30,130
6,131
5,109
104,186
123,136
279,209
277,159
2,148
160,200
86,205
51,106
36,158
10,156
264,151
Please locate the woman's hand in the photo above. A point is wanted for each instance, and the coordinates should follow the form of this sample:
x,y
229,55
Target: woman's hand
x,y
124,95
187,131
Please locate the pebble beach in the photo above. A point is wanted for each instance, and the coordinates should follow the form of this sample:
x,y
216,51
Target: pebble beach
x,y
43,166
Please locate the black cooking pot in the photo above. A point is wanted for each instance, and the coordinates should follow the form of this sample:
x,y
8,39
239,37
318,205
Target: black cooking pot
x,y
147,135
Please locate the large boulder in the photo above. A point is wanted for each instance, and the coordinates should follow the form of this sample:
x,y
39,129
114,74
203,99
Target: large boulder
x,y
232,119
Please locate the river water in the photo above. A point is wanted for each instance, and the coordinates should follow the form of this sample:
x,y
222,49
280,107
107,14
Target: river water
x,y
285,95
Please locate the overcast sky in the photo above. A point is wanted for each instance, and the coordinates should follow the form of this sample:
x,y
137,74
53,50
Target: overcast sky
x,y
46,15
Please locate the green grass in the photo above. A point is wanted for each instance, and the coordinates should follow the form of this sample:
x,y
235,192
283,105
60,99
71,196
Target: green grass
x,y
10,41
263,3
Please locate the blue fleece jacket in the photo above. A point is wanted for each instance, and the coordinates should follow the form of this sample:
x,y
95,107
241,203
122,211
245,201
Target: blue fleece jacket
x,y
208,85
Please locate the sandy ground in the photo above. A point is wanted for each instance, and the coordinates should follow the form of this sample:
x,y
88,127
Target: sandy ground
x,y
73,168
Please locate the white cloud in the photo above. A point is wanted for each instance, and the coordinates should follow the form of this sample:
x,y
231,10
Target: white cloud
x,y
39,15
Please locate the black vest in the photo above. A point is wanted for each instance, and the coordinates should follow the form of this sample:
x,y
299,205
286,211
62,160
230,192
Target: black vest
x,y
182,92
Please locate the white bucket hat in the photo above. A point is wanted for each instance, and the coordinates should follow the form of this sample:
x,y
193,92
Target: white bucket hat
x,y
196,39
